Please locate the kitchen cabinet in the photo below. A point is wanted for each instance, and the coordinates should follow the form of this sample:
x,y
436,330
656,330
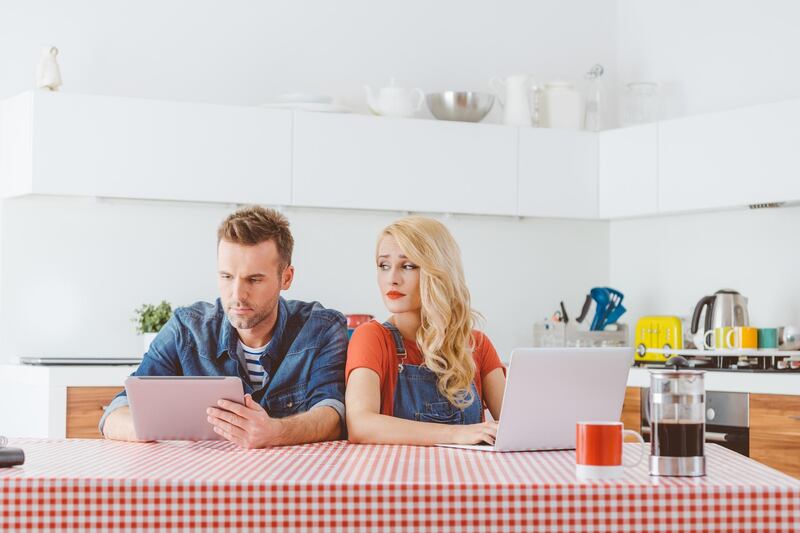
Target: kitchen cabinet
x,y
628,172
88,145
85,406
557,173
775,431
352,161
631,413
729,159
57,401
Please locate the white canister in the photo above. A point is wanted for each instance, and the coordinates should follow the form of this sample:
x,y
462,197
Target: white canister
x,y
560,106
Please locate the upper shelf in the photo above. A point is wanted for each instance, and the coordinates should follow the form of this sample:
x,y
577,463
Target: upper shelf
x,y
72,144
69,144
87,145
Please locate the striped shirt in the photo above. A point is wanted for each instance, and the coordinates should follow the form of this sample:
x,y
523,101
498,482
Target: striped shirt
x,y
252,360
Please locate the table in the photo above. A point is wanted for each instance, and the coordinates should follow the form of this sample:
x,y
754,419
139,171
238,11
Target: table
x,y
78,484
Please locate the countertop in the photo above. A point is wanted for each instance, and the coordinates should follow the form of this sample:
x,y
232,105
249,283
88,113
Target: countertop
x,y
342,486
755,382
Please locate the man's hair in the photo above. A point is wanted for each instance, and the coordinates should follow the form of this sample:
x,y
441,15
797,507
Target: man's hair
x,y
255,224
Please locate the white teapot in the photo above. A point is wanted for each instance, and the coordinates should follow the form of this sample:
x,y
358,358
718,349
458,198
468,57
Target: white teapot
x,y
394,101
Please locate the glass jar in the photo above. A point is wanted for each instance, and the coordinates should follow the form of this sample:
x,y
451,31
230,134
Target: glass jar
x,y
640,103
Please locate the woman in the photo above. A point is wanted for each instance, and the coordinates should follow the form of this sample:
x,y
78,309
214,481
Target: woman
x,y
424,375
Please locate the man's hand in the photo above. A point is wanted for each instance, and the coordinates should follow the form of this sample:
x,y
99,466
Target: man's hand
x,y
119,425
247,425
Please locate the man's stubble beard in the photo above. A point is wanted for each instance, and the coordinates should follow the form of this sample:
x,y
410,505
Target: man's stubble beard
x,y
246,323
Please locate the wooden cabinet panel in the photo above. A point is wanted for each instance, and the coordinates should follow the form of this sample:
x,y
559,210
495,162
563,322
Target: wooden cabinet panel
x,y
775,431
84,409
631,415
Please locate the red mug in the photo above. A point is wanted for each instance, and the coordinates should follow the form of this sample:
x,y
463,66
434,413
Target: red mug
x,y
598,450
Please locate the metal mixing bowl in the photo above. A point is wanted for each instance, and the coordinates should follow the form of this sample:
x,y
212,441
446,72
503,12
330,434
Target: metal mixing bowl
x,y
464,106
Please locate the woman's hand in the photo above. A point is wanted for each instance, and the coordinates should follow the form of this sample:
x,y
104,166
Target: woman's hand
x,y
485,432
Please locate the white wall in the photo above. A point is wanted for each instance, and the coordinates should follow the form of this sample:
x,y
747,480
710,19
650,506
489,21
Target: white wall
x,y
711,55
242,52
73,270
665,265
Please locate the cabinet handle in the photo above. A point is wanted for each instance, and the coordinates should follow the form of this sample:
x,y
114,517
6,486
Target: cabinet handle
x,y
795,417
713,436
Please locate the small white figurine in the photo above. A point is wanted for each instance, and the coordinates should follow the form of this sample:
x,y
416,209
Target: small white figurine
x,y
48,76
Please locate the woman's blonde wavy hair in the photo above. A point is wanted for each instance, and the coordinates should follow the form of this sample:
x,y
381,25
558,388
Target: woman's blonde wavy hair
x,y
445,335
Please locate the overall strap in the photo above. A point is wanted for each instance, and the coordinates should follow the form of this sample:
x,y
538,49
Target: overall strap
x,y
398,344
398,339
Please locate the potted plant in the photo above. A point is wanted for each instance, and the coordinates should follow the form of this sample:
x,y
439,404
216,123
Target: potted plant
x,y
150,319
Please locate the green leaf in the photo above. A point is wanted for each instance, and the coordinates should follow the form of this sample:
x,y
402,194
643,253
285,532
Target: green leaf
x,y
151,318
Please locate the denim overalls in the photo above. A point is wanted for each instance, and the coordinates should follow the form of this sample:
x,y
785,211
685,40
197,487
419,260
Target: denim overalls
x,y
417,398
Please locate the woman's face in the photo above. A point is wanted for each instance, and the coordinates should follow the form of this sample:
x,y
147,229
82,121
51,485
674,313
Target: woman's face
x,y
398,278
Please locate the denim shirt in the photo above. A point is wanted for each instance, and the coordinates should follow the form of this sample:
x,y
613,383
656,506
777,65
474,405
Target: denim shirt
x,y
305,358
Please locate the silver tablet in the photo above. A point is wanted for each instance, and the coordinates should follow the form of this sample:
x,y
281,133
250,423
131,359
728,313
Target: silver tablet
x,y
174,408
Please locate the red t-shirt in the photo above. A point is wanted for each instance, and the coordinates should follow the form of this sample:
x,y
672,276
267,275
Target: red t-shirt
x,y
372,346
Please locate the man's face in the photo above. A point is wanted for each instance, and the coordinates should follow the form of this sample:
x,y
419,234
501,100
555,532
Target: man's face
x,y
250,282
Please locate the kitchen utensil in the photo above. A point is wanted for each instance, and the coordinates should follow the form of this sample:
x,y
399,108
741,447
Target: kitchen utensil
x,y
742,338
463,106
640,103
677,421
718,338
617,310
393,101
560,106
726,307
564,316
659,332
514,95
591,120
608,309
355,320
790,338
768,338
598,450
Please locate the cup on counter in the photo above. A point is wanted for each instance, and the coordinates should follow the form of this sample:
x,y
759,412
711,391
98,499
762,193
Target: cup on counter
x,y
768,338
720,339
742,338
598,450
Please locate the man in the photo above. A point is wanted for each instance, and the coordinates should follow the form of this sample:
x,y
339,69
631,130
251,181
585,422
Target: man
x,y
290,355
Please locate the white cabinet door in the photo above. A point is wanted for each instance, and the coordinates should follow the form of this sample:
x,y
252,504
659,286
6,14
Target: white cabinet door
x,y
733,158
361,162
135,148
628,172
557,173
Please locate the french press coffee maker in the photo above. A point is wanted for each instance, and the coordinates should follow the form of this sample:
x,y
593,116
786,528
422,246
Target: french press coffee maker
x,y
677,421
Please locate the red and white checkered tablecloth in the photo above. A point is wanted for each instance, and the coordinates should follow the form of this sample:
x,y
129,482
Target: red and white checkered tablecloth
x,y
99,485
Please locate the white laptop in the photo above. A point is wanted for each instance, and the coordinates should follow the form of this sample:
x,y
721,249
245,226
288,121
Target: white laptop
x,y
548,390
